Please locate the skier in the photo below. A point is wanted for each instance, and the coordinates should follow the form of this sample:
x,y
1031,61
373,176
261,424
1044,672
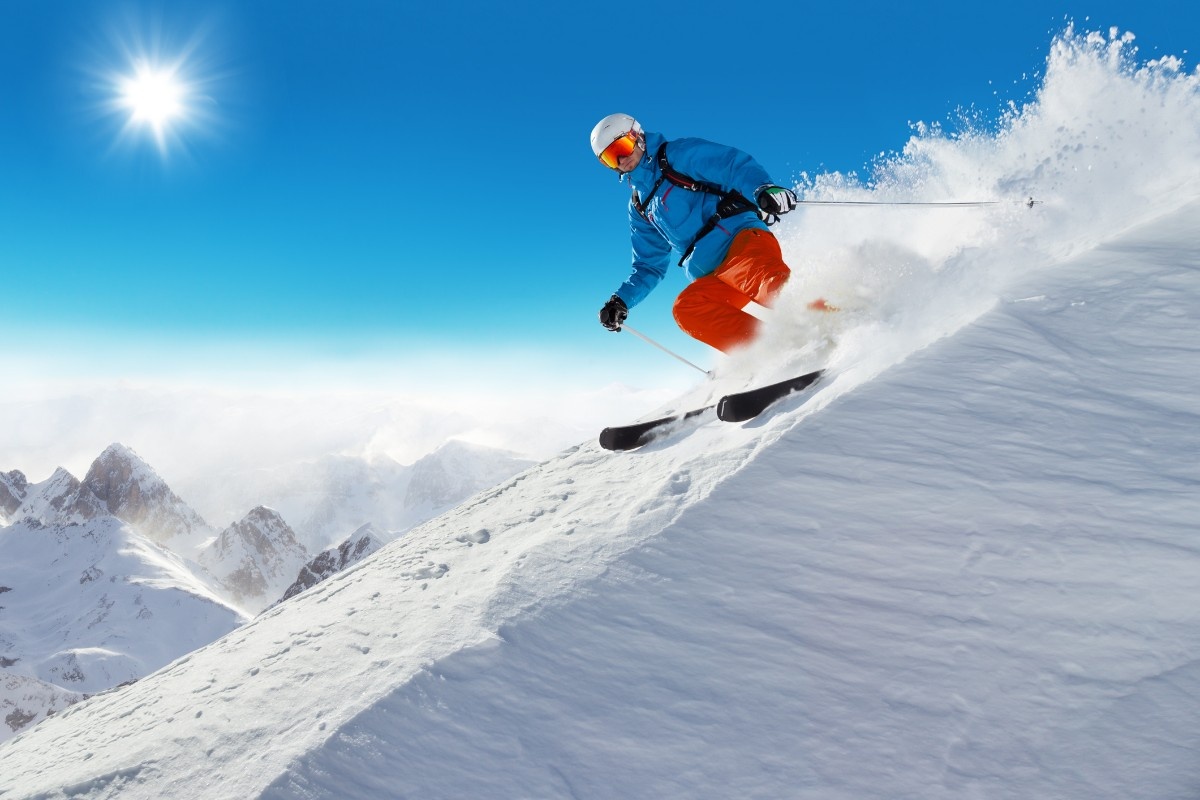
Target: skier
x,y
710,203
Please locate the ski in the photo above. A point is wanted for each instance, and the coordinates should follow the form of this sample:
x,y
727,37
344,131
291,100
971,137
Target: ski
x,y
630,437
741,406
736,407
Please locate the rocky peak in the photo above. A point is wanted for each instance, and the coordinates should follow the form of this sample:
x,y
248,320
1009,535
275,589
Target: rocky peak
x,y
13,486
134,492
59,500
255,558
360,544
263,528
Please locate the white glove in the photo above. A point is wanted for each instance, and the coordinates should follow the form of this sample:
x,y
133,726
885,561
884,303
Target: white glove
x,y
774,202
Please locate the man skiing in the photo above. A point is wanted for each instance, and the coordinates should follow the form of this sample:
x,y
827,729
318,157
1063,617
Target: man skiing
x,y
710,203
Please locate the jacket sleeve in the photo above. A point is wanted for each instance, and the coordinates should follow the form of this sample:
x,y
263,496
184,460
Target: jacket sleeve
x,y
651,258
728,167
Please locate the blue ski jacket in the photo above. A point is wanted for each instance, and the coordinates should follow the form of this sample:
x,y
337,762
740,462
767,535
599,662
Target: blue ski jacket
x,y
675,215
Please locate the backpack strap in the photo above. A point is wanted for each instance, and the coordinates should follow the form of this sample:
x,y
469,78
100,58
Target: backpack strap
x,y
637,201
730,204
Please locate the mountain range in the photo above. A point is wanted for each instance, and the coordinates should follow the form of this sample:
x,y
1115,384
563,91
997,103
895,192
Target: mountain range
x,y
107,579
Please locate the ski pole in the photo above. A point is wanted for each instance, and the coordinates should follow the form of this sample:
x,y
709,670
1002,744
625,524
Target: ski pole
x,y
676,356
1030,203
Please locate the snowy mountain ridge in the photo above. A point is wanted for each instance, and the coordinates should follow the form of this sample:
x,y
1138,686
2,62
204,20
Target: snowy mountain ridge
x,y
60,499
118,483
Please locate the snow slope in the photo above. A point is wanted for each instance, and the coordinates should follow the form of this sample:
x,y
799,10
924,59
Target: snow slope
x,y
964,567
974,578
85,607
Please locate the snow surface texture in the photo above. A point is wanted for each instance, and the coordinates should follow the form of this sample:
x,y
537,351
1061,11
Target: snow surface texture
x,y
963,567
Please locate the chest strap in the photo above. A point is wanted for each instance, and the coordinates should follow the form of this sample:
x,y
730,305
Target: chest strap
x,y
729,205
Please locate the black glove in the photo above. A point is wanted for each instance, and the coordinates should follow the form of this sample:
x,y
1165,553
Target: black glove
x,y
614,313
774,202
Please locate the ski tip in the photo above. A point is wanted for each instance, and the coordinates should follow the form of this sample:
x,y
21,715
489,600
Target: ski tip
x,y
745,406
609,439
631,437
621,439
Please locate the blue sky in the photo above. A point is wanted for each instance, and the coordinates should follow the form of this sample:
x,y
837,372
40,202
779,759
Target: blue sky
x,y
366,178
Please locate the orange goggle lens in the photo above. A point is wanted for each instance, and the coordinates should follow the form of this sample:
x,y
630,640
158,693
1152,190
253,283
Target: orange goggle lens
x,y
621,147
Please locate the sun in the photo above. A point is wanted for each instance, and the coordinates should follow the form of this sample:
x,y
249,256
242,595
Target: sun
x,y
158,84
155,97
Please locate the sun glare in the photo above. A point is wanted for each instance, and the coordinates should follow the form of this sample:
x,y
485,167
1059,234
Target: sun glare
x,y
153,97
158,82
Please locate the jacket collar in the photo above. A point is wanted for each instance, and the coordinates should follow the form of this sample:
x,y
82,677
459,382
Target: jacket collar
x,y
643,176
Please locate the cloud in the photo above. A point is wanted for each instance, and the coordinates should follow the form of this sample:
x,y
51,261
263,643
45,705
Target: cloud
x,y
190,426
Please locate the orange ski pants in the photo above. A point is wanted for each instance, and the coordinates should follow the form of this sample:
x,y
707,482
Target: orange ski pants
x,y
710,308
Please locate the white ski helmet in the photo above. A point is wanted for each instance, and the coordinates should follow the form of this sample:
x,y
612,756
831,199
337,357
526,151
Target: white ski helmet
x,y
611,128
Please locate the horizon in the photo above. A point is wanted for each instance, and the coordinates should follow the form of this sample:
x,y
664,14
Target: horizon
x,y
303,230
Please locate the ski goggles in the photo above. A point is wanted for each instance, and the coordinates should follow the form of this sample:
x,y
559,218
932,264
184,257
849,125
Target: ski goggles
x,y
621,147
